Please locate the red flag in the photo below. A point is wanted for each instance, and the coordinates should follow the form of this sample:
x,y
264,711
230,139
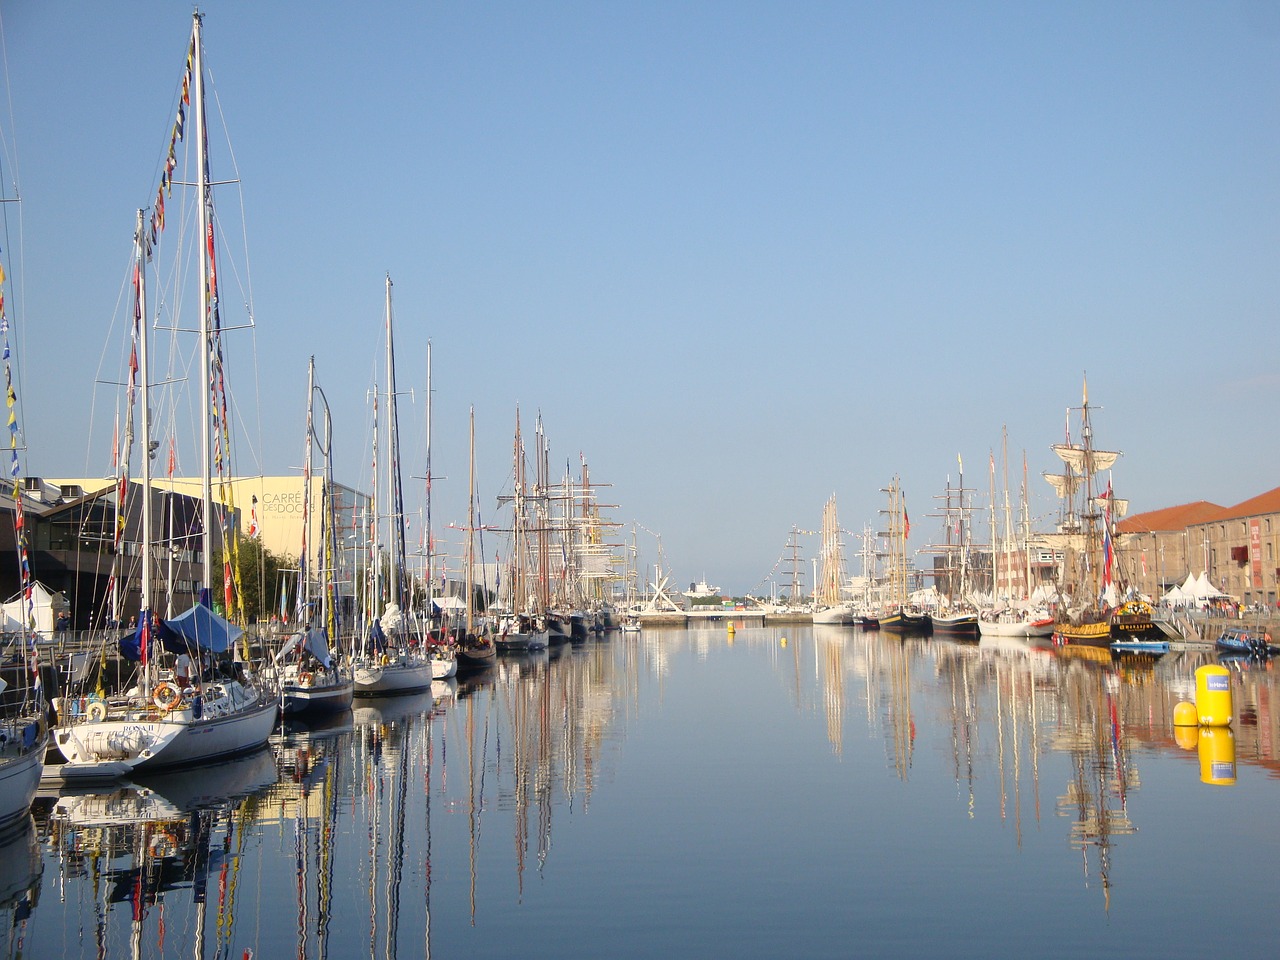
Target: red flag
x,y
906,520
226,587
253,518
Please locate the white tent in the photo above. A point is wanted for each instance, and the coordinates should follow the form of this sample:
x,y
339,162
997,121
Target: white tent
x,y
1206,590
47,607
449,603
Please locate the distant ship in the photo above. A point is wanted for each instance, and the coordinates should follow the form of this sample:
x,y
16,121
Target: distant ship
x,y
701,589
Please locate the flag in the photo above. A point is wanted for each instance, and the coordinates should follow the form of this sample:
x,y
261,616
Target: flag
x,y
1144,563
1106,538
227,590
906,520
253,517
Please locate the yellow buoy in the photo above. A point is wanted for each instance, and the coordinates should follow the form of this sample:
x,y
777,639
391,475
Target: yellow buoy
x,y
1185,715
783,641
1217,756
1213,696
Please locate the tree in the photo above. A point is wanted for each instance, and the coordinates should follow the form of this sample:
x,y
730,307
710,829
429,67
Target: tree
x,y
259,578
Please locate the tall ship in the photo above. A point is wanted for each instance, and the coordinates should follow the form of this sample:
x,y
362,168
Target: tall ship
x,y
897,617
1094,610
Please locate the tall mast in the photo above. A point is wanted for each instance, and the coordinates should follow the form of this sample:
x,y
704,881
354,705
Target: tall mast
x,y
143,379
426,534
471,521
395,498
304,578
205,202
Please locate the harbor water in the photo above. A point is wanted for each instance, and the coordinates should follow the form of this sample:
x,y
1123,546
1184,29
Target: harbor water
x,y
775,791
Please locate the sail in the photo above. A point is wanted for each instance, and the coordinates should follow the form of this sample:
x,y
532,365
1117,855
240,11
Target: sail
x,y
1060,541
1064,484
1085,461
1118,506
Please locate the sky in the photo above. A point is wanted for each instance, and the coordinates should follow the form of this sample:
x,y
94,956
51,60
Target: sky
x,y
741,256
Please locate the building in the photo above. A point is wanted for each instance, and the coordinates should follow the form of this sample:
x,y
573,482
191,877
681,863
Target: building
x,y
78,515
1235,546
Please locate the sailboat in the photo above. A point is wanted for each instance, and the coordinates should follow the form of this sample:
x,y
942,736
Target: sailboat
x,y
957,617
390,663
312,679
1093,614
185,714
524,625
1015,611
440,644
477,650
896,617
830,607
24,732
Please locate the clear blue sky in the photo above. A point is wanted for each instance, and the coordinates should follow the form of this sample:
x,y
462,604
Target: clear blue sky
x,y
741,255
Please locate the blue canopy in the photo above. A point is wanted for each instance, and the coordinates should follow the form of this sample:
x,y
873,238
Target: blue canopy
x,y
200,627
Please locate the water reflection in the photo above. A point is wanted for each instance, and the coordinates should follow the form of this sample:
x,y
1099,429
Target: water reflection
x,y
21,870
404,825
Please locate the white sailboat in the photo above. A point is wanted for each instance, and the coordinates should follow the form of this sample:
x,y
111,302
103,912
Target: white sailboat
x,y
24,733
313,680
830,606
173,718
389,664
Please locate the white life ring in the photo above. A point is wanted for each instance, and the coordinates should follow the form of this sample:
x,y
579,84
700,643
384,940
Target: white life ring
x,y
166,696
97,710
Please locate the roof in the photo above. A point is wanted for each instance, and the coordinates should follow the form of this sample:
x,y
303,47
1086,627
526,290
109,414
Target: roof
x,y
1172,518
1268,502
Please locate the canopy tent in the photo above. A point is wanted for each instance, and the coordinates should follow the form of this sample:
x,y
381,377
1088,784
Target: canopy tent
x,y
1207,591
199,626
313,641
449,603
47,604
1194,590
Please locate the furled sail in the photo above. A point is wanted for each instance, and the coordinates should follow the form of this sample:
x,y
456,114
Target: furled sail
x,y
1084,460
1064,484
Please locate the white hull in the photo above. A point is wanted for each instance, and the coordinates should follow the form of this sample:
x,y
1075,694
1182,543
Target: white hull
x,y
19,777
442,668
1015,628
841,614
236,722
409,675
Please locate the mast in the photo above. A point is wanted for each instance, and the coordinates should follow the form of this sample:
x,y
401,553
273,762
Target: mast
x,y
471,525
144,377
304,578
205,203
395,495
427,532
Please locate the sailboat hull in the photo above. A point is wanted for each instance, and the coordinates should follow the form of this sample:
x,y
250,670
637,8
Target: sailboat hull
x,y
959,627
316,700
901,622
392,678
20,768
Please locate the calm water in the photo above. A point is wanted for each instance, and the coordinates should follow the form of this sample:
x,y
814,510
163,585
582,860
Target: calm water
x,y
783,792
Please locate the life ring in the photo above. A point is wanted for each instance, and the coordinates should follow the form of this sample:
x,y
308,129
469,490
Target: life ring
x,y
304,678
166,696
97,710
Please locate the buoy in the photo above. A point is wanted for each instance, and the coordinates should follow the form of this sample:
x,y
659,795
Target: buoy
x,y
1185,715
1217,756
1213,696
97,710
783,641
